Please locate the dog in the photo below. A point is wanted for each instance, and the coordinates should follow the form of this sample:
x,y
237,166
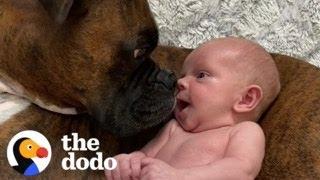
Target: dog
x,y
55,54
86,68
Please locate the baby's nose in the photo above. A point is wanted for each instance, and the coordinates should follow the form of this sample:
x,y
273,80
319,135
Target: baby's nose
x,y
182,84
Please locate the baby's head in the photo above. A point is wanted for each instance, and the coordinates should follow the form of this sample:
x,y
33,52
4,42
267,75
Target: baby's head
x,y
225,81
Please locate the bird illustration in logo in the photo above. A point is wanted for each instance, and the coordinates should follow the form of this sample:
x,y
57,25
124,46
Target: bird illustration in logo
x,y
24,150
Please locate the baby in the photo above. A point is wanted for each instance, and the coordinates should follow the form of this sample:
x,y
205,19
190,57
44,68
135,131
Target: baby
x,y
225,86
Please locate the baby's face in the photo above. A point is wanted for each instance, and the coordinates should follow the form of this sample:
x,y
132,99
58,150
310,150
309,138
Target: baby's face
x,y
208,88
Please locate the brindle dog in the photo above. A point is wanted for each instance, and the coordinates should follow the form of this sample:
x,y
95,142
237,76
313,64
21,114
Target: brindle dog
x,y
74,57
89,58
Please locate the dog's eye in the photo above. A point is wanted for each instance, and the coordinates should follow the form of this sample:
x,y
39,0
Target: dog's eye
x,y
138,53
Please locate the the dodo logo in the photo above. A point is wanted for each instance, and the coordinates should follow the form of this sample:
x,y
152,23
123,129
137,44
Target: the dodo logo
x,y
29,152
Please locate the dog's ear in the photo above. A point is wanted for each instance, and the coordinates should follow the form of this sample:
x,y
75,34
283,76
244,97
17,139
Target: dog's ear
x,y
57,9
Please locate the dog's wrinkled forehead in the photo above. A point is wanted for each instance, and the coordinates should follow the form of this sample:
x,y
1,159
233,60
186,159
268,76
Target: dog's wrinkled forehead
x,y
131,13
123,23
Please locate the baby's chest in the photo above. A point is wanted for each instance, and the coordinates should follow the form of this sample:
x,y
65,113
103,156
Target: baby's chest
x,y
193,150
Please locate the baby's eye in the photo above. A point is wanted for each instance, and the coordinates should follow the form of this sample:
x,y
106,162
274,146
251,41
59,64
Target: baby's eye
x,y
202,75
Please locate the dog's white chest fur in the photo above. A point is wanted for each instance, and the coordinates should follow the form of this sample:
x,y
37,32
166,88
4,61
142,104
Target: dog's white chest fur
x,y
11,105
7,85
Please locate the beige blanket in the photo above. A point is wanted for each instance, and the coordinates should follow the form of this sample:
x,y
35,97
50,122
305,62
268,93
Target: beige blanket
x,y
290,27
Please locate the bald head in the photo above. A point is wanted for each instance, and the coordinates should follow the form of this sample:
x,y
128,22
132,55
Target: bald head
x,y
250,61
236,51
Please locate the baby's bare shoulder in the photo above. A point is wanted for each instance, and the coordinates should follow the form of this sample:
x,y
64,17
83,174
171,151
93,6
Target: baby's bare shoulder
x,y
247,124
247,128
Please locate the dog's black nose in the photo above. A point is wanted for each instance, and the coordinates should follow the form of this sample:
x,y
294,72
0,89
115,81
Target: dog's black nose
x,y
168,79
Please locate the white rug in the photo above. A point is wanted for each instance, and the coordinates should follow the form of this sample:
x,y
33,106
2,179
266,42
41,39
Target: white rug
x,y
289,27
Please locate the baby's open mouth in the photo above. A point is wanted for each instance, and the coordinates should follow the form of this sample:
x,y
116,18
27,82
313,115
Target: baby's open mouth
x,y
182,104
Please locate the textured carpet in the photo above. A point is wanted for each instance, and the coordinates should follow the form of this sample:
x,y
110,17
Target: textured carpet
x,y
289,27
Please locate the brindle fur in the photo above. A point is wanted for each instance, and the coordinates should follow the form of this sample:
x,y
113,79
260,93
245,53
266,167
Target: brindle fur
x,y
63,54
292,124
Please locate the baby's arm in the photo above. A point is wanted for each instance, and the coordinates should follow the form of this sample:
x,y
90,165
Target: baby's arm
x,y
242,160
129,165
152,148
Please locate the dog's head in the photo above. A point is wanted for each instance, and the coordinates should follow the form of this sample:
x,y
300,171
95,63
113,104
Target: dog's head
x,y
90,55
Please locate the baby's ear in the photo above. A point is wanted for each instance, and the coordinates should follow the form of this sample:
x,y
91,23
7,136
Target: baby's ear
x,y
249,99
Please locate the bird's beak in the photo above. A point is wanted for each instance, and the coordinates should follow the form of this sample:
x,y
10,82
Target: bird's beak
x,y
42,152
